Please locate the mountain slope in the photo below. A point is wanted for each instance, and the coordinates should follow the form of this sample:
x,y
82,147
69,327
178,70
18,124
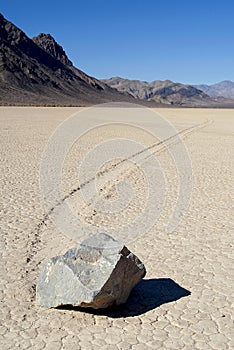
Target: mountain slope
x,y
39,72
161,91
222,89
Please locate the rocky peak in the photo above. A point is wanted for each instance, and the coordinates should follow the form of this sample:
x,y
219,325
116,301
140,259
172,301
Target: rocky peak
x,y
48,43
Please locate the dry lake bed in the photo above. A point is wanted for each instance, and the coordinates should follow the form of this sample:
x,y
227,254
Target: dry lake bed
x,y
186,298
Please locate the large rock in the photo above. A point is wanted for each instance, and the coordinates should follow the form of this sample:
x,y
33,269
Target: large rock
x,y
102,272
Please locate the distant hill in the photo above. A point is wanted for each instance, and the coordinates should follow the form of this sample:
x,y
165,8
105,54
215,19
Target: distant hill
x,y
37,71
223,89
160,91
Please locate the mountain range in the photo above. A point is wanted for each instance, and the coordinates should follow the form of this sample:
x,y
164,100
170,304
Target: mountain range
x,y
37,71
166,92
170,92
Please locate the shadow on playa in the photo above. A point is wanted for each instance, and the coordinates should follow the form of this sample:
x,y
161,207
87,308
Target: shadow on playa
x,y
146,296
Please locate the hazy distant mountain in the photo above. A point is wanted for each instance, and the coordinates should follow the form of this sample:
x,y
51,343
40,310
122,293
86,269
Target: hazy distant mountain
x,y
160,91
38,71
223,89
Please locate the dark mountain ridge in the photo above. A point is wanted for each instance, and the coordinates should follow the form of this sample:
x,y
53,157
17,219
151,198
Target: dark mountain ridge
x,y
38,71
48,44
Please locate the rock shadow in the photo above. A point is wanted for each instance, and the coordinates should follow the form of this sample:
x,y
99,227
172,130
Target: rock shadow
x,y
147,295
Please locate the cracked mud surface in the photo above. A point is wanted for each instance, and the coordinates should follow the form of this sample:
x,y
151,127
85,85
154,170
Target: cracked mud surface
x,y
186,299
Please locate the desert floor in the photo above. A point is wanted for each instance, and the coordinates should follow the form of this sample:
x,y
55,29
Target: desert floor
x,y
185,300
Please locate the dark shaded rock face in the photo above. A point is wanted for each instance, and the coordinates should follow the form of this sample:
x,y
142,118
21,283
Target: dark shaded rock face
x,y
47,43
101,273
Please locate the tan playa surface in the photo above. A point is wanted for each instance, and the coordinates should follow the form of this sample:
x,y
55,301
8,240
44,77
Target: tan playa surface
x,y
186,301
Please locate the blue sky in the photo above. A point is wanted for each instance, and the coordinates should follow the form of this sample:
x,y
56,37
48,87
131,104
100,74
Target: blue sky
x,y
186,41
